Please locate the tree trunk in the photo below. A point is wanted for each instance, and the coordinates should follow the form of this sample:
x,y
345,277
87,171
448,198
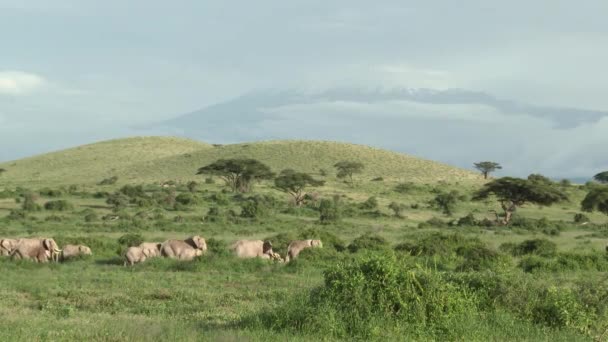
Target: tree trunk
x,y
509,209
485,175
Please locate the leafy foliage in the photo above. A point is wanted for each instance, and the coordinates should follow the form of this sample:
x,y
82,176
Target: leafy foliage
x,y
601,177
239,174
347,169
596,199
487,167
294,183
447,201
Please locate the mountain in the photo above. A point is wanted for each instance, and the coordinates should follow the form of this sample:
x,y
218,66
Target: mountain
x,y
155,159
454,126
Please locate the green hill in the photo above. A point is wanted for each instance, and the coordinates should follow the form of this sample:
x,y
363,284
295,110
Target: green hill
x,y
153,159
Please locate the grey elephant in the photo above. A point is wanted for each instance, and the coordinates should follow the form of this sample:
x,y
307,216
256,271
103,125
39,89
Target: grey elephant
x,y
252,249
152,249
31,249
73,251
7,246
184,249
295,247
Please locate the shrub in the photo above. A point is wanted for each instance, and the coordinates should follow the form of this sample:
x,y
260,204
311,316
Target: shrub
x,y
51,192
186,199
370,204
405,188
218,247
133,191
219,199
434,222
17,214
397,209
29,202
118,201
192,186
540,247
447,201
329,210
372,297
378,179
59,205
130,240
91,217
209,180
257,207
368,242
109,181
468,221
581,218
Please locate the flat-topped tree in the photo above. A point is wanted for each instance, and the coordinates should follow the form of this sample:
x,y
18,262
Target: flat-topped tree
x,y
596,199
294,183
602,177
513,193
487,167
346,169
239,174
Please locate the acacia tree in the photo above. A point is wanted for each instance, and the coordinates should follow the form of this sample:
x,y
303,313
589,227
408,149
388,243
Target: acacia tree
x,y
602,177
346,169
239,174
294,183
447,201
513,193
596,199
487,167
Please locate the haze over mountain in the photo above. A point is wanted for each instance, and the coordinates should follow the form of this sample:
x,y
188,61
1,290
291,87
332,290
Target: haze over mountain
x,y
454,126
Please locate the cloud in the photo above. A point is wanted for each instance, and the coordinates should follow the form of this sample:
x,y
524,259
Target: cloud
x,y
19,83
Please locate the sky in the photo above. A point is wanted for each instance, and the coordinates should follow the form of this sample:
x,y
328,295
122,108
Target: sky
x,y
77,71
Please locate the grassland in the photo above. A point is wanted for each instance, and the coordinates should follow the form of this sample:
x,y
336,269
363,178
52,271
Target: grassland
x,y
221,298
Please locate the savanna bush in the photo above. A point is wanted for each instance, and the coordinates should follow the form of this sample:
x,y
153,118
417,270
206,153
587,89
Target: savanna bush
x,y
370,242
377,296
329,210
130,240
58,205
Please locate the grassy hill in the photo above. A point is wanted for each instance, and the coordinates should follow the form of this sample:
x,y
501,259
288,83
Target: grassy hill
x,y
151,159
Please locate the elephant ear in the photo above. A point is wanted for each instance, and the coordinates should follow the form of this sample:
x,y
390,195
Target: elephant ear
x,y
147,252
159,246
48,244
267,246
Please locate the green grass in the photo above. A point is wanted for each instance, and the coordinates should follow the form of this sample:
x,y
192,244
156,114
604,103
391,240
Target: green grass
x,y
155,159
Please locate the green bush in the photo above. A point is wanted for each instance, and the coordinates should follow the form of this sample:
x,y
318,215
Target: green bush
x,y
581,218
47,192
256,207
109,181
91,217
130,240
374,297
217,247
370,204
540,247
368,242
186,199
29,202
58,205
329,210
434,222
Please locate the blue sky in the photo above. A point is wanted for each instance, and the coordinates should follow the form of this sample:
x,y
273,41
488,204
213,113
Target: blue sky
x,y
76,71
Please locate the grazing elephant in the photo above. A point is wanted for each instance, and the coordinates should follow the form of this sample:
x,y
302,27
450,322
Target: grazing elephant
x,y
151,249
295,247
7,246
252,249
134,255
38,254
73,251
184,249
29,248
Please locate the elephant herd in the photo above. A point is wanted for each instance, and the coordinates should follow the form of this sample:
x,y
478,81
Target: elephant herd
x,y
46,249
40,250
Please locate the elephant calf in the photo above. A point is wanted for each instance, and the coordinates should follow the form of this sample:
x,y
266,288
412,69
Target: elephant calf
x,y
184,249
73,251
141,253
295,247
252,249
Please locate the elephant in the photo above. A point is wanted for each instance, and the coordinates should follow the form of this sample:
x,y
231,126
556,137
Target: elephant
x,y
29,248
252,249
39,254
73,251
7,246
184,249
151,249
295,247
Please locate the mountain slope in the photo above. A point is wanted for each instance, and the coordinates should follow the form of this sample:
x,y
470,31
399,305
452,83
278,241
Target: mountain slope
x,y
154,159
88,164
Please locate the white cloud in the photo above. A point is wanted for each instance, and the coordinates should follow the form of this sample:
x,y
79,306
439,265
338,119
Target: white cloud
x,y
19,83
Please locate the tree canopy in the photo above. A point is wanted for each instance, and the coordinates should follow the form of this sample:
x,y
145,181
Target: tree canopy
x,y
515,192
346,169
294,183
239,174
596,199
487,167
601,177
